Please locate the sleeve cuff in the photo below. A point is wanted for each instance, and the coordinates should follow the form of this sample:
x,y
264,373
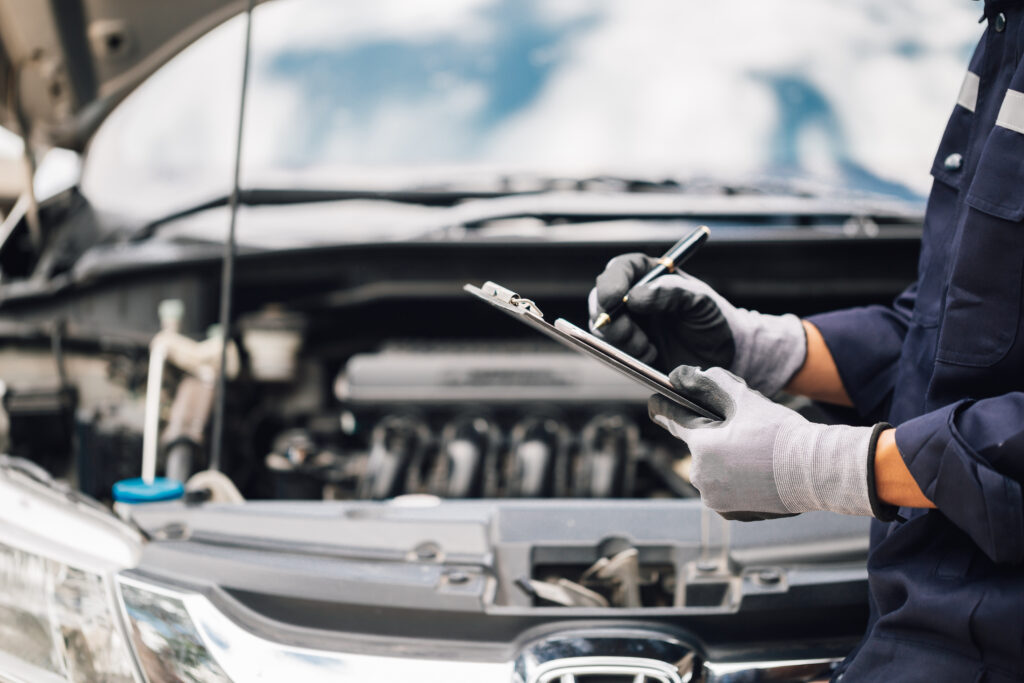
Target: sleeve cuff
x,y
882,511
866,368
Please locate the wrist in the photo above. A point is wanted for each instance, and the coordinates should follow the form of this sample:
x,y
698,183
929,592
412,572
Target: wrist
x,y
894,485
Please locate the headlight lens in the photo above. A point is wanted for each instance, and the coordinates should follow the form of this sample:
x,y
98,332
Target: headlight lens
x,y
25,630
58,618
94,648
58,610
166,640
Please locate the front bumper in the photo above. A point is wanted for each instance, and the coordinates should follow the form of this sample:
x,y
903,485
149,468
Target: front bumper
x,y
383,591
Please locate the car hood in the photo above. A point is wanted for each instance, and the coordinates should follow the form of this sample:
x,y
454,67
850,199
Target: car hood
x,y
63,66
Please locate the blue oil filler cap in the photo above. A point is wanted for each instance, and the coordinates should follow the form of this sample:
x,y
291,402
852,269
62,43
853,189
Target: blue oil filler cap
x,y
138,491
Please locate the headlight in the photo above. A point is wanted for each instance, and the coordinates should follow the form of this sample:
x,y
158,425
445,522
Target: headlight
x,y
165,637
180,635
58,611
57,618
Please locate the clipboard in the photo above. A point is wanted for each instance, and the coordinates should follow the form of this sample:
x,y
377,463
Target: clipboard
x,y
581,341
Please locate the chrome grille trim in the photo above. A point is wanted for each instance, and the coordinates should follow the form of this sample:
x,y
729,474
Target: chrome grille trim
x,y
628,669
782,670
632,655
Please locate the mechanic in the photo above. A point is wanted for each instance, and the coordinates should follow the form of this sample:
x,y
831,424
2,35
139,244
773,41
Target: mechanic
x,y
944,364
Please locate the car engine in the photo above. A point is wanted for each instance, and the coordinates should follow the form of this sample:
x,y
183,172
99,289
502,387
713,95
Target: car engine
x,y
495,420
387,382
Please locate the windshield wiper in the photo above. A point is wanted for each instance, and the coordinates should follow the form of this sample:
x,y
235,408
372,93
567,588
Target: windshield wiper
x,y
501,185
269,197
606,196
704,186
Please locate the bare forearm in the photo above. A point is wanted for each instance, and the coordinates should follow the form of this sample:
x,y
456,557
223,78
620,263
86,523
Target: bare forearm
x,y
819,376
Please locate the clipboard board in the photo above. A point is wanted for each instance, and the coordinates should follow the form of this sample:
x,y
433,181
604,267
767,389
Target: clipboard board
x,y
581,341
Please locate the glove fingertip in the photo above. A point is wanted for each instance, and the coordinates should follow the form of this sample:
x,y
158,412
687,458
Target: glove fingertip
x,y
685,376
593,308
619,331
648,356
636,344
657,409
710,391
631,259
619,275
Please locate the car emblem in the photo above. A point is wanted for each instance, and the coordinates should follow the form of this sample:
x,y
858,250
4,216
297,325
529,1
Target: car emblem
x,y
607,669
606,656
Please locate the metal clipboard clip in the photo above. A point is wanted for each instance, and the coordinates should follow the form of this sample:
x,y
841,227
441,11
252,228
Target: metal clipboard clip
x,y
509,297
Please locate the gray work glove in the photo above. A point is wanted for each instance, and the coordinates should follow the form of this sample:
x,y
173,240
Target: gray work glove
x,y
765,460
680,320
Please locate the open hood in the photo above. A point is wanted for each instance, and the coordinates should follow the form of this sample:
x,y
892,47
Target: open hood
x,y
64,64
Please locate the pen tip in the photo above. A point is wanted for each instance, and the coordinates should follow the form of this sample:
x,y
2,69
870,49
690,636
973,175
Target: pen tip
x,y
602,320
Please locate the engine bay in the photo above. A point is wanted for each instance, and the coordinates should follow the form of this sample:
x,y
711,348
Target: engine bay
x,y
364,372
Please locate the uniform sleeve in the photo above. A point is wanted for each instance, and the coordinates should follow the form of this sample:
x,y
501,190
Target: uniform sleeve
x,y
968,458
865,344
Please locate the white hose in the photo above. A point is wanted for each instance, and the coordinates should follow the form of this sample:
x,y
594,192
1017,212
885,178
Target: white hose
x,y
151,427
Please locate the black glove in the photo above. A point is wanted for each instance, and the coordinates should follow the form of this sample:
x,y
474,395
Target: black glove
x,y
680,320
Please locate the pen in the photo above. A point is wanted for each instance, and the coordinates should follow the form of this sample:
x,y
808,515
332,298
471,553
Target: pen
x,y
674,257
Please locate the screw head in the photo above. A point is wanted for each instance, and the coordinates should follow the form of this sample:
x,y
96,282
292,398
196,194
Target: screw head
x,y
707,566
427,551
769,576
175,531
457,578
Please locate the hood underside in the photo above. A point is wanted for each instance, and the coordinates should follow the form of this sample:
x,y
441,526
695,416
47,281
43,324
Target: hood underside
x,y
64,64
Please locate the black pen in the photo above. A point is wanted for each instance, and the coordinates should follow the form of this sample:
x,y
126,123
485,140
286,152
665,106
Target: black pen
x,y
674,257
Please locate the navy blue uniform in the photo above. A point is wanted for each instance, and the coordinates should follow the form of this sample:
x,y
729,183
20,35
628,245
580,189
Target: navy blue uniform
x,y
945,364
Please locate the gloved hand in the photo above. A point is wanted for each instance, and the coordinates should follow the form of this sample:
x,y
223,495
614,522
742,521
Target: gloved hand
x,y
765,460
679,320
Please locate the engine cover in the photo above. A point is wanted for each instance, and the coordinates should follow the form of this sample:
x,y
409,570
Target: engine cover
x,y
481,373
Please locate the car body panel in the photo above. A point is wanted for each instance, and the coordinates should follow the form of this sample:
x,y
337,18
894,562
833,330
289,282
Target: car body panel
x,y
65,65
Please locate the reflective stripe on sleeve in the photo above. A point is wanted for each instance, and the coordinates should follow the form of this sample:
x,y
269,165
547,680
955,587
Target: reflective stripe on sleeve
x,y
1011,114
968,98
